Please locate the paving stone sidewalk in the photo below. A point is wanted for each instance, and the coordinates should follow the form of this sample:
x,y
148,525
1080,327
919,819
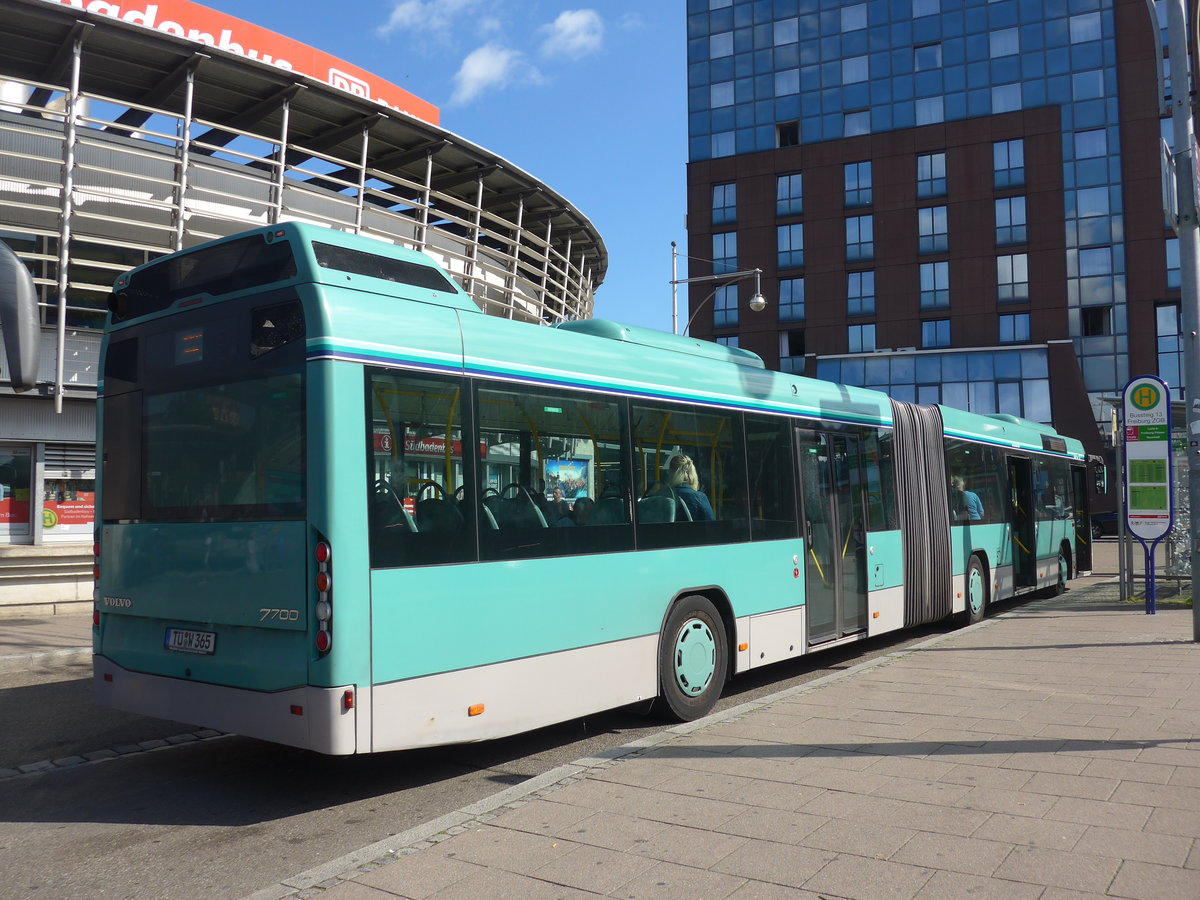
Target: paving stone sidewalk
x,y
33,642
1052,752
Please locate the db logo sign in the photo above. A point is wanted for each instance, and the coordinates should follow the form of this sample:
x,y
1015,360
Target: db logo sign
x,y
346,82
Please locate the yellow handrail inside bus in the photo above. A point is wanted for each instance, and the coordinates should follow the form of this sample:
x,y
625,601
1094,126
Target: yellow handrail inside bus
x,y
817,563
448,481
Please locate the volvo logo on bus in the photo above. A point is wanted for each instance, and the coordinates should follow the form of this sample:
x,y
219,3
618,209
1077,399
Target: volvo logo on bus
x,y
118,602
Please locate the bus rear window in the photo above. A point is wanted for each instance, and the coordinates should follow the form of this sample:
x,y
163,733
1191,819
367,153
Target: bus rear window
x,y
221,269
356,262
226,451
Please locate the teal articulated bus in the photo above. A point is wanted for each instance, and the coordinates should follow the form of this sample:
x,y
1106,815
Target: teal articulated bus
x,y
342,509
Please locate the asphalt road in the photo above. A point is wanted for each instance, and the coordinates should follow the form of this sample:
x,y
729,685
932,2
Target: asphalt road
x,y
226,816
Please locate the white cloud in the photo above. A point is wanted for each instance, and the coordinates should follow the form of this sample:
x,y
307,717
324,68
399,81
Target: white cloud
x,y
425,16
575,33
491,66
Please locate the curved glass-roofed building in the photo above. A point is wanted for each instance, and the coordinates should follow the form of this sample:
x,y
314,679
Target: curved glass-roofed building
x,y
135,129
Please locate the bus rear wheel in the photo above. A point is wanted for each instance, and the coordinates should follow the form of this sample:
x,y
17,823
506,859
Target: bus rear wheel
x,y
976,590
693,657
1064,573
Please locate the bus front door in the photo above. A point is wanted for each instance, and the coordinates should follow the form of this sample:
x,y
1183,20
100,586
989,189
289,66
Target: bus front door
x,y
1083,521
1021,522
835,541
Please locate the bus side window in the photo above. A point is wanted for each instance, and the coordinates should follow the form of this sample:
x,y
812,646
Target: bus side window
x,y
770,470
420,505
552,466
693,456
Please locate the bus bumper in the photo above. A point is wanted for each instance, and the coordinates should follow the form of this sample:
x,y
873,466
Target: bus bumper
x,y
310,717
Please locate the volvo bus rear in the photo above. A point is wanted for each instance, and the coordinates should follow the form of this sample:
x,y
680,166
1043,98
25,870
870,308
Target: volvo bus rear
x,y
213,588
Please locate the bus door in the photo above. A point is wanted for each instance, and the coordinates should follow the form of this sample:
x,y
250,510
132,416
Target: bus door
x,y
1083,521
1021,521
834,534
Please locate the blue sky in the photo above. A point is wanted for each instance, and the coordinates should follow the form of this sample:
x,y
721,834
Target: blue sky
x,y
590,99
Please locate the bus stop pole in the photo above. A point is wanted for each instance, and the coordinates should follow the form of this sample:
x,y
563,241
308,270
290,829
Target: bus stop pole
x,y
1122,538
1184,145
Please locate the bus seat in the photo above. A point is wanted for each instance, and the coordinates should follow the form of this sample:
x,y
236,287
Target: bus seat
x,y
609,511
388,510
438,516
519,512
656,509
682,513
489,520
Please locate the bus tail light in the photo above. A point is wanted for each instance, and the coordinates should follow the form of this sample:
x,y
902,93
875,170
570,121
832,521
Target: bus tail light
x,y
324,585
96,582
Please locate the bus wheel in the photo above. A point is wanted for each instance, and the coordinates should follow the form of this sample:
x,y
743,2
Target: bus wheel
x,y
1064,572
692,658
977,591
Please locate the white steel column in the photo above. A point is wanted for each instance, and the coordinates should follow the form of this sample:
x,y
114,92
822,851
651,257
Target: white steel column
x,y
362,181
426,199
545,271
473,250
185,158
65,212
1185,148
277,207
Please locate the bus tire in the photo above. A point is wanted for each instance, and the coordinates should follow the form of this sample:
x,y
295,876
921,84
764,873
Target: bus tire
x,y
1064,572
693,658
976,590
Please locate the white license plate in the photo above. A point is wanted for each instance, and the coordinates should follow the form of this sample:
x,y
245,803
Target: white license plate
x,y
187,641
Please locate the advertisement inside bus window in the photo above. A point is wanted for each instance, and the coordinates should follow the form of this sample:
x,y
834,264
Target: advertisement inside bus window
x,y
15,467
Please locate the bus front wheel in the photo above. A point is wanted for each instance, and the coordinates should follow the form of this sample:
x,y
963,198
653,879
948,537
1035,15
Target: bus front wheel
x,y
977,591
692,658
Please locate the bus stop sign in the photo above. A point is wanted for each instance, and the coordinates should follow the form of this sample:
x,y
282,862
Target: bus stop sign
x,y
1149,506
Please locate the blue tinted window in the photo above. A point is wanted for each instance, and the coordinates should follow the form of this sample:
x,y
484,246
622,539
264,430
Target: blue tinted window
x,y
1010,220
724,252
1014,328
860,237
935,285
724,203
932,229
790,245
791,299
935,333
861,339
931,175
860,293
857,177
789,195
725,307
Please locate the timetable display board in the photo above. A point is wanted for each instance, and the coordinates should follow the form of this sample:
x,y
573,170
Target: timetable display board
x,y
1149,513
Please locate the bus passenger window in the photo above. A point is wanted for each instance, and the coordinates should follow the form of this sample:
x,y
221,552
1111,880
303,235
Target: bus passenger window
x,y
419,499
770,467
691,458
974,483
551,473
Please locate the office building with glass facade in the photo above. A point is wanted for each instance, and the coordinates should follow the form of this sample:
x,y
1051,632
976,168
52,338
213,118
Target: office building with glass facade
x,y
955,201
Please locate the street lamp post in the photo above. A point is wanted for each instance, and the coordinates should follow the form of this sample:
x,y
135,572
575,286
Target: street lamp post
x,y
757,301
